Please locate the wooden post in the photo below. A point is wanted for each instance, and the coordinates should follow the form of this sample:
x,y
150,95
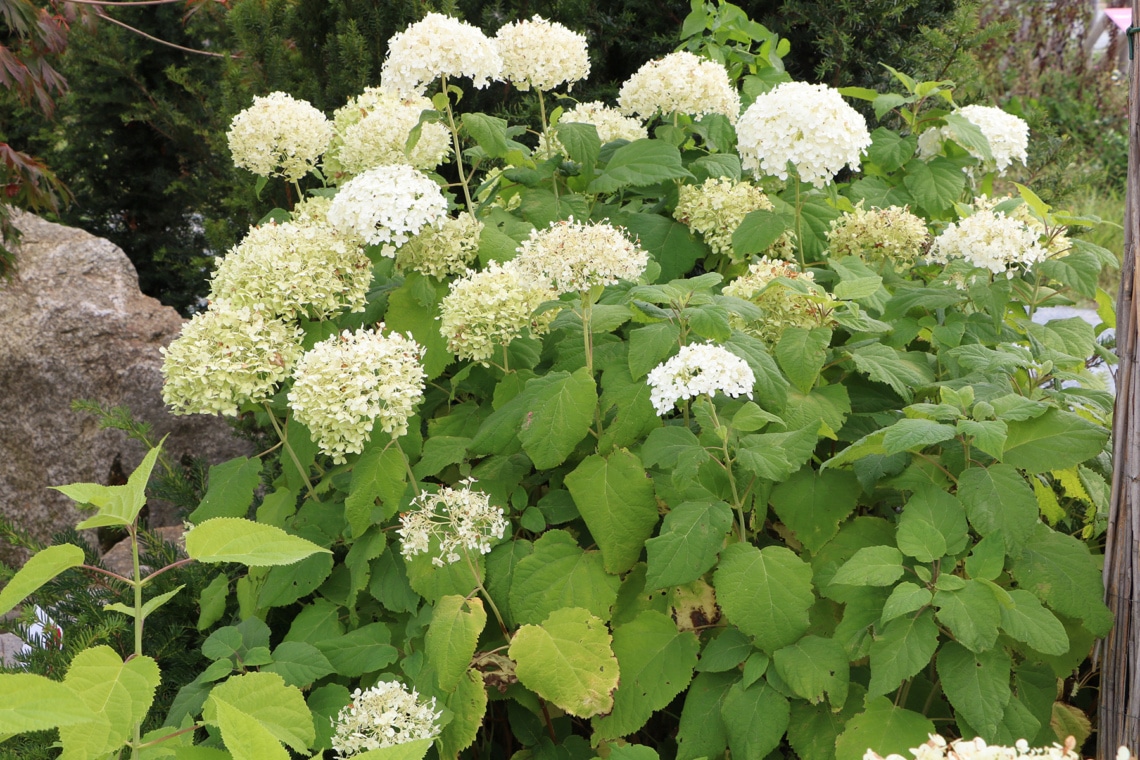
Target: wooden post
x,y
1119,723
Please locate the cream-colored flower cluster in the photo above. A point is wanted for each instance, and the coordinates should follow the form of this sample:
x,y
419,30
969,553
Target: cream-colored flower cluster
x,y
383,716
783,306
278,136
312,211
372,129
990,240
458,519
489,309
228,356
542,54
443,251
890,235
1008,136
937,748
610,123
439,46
387,205
807,125
575,257
699,369
354,383
294,270
716,208
1057,244
683,83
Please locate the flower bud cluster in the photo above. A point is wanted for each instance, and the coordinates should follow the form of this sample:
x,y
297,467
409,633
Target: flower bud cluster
x,y
784,306
278,136
699,369
718,206
455,520
892,235
443,251
383,716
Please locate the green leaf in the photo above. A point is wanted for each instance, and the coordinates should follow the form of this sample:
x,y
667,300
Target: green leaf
x,y
581,143
987,559
212,601
230,490
816,216
871,566
701,732
41,568
468,704
439,452
890,150
656,663
489,132
968,135
408,313
563,410
286,584
801,353
641,162
117,505
299,664
413,750
758,231
857,288
244,736
905,598
725,652
690,540
813,729
771,387
1060,571
117,693
559,574
1029,622
325,703
616,499
31,702
814,665
456,623
650,345
935,185
884,728
903,372
915,435
812,504
932,525
380,473
674,449
264,698
155,602
766,593
755,717
972,613
568,661
365,650
977,685
904,648
670,243
988,436
230,539
1056,440
997,498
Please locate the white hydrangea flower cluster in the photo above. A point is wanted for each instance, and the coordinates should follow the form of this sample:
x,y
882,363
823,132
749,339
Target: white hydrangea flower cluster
x,y
227,356
937,748
439,46
610,123
1056,245
716,208
807,125
1008,136
387,205
353,383
443,251
680,82
372,129
890,235
542,54
294,270
989,240
383,716
575,257
312,211
699,369
488,309
278,136
783,306
459,519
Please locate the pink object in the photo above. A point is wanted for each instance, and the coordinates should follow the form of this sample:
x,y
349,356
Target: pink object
x,y
1122,17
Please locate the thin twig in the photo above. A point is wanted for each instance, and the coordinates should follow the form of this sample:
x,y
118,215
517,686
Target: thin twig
x,y
103,15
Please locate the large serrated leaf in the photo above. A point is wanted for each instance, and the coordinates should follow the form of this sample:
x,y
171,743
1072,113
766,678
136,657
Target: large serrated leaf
x,y
997,498
299,664
766,593
41,568
812,504
266,699
933,525
701,731
245,737
641,162
231,539
871,566
1031,623
117,505
456,623
690,540
801,353
558,573
813,666
230,489
904,372
31,702
118,693
1056,440
903,649
935,185
468,704
561,415
977,685
365,650
615,497
971,613
884,728
755,717
1060,571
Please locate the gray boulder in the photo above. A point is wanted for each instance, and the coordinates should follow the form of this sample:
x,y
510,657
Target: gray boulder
x,y
74,325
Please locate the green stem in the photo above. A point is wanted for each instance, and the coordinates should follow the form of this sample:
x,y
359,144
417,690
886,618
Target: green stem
x,y
737,503
138,585
408,467
587,336
542,115
486,596
458,147
292,454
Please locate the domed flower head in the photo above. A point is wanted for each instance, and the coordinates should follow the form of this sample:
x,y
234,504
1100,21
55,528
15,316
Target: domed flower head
x,y
443,251
455,519
387,206
294,270
680,82
373,128
227,356
576,257
486,310
807,125
609,122
1008,136
439,46
384,716
990,240
354,383
279,137
542,54
785,305
699,369
716,208
892,235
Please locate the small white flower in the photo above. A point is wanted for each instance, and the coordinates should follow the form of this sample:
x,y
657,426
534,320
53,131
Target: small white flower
x,y
384,716
680,82
575,257
388,205
457,519
542,54
439,46
278,136
699,369
807,125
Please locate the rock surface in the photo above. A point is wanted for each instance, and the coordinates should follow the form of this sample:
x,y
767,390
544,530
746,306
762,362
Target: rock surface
x,y
74,325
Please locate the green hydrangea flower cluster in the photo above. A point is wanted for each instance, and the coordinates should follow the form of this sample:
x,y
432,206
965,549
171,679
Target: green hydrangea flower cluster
x,y
889,235
716,208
